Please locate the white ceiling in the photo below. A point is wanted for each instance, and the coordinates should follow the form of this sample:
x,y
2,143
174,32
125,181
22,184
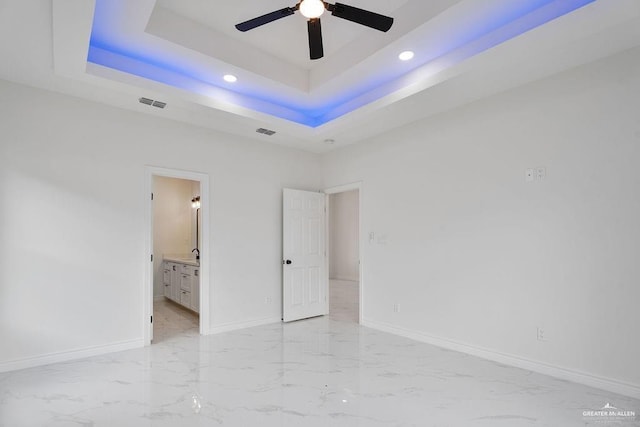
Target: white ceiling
x,y
177,50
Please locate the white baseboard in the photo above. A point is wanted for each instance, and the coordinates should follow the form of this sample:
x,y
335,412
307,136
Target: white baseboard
x,y
234,326
602,383
65,356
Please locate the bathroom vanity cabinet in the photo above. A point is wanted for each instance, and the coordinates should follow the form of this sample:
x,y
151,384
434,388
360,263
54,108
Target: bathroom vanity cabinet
x,y
182,283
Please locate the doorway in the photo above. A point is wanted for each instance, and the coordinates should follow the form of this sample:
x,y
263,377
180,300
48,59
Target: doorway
x,y
343,252
177,278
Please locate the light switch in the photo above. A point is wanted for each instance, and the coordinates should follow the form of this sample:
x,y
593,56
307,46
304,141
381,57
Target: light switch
x,y
529,175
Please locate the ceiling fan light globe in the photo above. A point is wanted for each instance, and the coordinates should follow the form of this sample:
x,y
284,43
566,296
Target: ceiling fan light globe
x,y
312,8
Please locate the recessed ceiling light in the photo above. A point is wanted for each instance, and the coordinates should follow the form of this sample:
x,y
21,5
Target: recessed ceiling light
x,y
230,78
406,55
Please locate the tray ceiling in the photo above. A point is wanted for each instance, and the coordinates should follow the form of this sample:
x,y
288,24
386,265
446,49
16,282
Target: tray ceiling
x,y
177,51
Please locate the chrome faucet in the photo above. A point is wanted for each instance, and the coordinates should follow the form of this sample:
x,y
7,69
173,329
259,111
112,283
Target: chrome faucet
x,y
197,251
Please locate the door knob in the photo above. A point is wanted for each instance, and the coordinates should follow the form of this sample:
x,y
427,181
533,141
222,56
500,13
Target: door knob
x,y
287,261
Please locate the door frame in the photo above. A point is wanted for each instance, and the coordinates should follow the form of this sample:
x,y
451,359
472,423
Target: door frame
x,y
361,242
205,247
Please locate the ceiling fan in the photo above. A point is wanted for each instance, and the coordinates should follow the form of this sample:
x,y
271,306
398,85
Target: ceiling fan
x,y
313,9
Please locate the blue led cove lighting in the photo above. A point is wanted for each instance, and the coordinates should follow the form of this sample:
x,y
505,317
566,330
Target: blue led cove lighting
x,y
488,31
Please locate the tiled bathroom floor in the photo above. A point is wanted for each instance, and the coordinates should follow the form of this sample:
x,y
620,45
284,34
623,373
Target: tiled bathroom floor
x,y
317,372
170,320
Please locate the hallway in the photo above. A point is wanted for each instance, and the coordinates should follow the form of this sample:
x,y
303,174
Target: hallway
x,y
344,304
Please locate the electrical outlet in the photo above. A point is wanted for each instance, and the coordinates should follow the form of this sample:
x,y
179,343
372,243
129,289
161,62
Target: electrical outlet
x,y
540,334
396,307
267,300
541,174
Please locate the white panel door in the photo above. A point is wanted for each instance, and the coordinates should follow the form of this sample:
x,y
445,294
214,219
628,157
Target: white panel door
x,y
304,288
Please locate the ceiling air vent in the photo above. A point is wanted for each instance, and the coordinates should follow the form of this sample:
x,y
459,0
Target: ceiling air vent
x,y
266,131
157,104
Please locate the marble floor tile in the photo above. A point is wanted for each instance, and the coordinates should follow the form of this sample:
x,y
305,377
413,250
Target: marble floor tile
x,y
312,373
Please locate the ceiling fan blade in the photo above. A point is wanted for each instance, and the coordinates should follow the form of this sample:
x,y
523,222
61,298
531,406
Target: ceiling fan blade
x,y
361,16
265,19
316,51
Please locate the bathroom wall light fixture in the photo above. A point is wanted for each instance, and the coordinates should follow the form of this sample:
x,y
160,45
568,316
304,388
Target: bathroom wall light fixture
x,y
195,202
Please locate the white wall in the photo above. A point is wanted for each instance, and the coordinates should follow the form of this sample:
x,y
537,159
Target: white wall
x,y
476,255
72,203
173,222
343,236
